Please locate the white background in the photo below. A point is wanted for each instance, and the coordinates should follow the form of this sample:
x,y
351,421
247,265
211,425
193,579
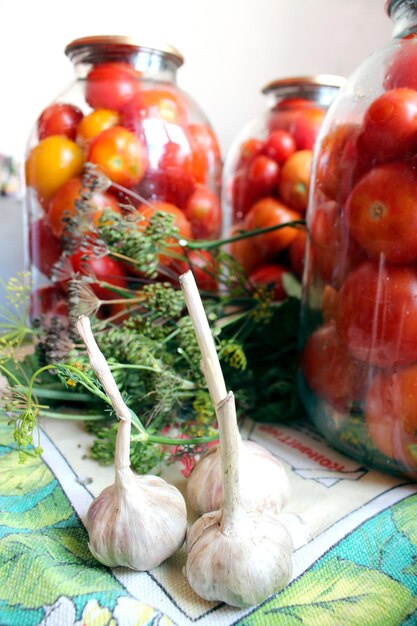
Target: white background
x,y
232,48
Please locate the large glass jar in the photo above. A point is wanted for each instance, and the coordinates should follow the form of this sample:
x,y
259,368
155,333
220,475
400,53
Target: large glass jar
x,y
125,115
266,177
358,336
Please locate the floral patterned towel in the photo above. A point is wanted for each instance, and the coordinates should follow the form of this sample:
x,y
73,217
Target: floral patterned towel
x,y
358,569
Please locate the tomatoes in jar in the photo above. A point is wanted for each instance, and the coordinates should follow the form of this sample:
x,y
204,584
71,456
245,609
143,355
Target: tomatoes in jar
x,y
120,154
294,181
390,413
44,248
329,369
51,163
59,118
272,276
94,123
101,269
203,211
111,85
63,205
266,213
381,212
390,126
377,314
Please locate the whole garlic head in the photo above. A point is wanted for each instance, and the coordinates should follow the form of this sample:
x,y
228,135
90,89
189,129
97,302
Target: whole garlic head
x,y
138,522
241,566
263,481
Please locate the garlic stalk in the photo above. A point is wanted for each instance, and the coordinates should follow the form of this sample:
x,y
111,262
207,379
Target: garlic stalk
x,y
234,555
139,521
264,482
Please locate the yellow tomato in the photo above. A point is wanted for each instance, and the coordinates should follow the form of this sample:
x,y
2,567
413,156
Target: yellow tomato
x,y
52,163
94,123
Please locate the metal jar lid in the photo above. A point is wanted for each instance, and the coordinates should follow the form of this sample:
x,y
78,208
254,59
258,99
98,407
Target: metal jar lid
x,y
117,46
305,84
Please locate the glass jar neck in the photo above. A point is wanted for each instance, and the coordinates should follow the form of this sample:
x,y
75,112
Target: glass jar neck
x,y
318,95
404,15
154,65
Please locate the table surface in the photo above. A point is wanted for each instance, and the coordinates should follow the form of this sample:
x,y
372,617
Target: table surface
x,y
354,529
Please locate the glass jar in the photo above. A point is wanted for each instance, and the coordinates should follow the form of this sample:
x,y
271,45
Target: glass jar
x,y
149,141
266,176
358,331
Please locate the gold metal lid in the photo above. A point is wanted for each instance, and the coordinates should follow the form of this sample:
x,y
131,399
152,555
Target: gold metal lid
x,y
120,44
305,82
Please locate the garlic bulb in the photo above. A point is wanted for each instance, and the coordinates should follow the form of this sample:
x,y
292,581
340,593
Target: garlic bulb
x,y
139,521
236,556
263,480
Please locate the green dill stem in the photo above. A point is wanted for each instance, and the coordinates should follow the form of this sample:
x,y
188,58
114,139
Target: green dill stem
x,y
172,441
202,244
185,383
72,416
10,375
51,394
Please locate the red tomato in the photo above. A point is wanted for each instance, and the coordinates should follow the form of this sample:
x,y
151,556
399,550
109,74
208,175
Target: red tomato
x,y
244,251
307,127
390,125
243,195
102,269
62,205
390,413
271,275
180,221
120,154
402,68
303,124
49,300
204,268
94,123
381,212
59,119
52,163
294,182
263,175
249,150
334,252
204,213
161,104
270,212
205,155
279,146
45,249
170,185
329,369
377,314
296,253
176,156
337,160
111,85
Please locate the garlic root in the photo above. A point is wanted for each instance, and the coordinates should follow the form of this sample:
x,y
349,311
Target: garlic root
x,y
139,521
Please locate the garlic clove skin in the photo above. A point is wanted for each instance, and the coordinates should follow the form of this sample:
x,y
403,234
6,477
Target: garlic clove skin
x,y
138,522
264,482
241,566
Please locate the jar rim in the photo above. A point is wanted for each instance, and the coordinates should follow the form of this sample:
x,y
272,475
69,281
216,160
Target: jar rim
x,y
319,80
390,5
122,43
